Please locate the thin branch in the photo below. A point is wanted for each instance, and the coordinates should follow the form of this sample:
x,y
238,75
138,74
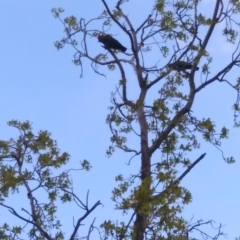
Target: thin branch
x,y
124,79
12,210
216,77
88,212
83,206
189,169
126,227
91,228
140,27
180,178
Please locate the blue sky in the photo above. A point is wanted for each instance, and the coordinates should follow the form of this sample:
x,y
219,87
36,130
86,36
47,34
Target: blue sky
x,y
42,85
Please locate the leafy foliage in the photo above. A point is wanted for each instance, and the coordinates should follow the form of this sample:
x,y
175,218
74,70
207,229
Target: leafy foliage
x,y
33,162
152,198
165,126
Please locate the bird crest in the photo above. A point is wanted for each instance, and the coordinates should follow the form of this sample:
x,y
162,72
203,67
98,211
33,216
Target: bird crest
x,y
100,36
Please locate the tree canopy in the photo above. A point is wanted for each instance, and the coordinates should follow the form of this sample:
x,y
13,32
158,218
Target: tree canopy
x,y
168,61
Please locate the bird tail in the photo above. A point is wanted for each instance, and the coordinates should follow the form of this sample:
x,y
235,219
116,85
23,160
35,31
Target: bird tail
x,y
123,49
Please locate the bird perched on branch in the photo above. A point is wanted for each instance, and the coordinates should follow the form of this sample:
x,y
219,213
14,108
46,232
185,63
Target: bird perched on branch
x,y
181,65
111,43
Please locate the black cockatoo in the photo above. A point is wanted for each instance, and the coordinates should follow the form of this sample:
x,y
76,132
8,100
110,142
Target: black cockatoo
x,y
181,65
110,42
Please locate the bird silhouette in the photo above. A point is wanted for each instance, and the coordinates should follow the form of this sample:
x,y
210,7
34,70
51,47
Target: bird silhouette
x,y
111,43
181,65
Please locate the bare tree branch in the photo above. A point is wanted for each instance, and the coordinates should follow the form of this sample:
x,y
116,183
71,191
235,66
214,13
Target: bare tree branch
x,y
44,233
88,212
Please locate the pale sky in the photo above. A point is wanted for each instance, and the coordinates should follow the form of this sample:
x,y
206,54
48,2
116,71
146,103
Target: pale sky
x,y
42,85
